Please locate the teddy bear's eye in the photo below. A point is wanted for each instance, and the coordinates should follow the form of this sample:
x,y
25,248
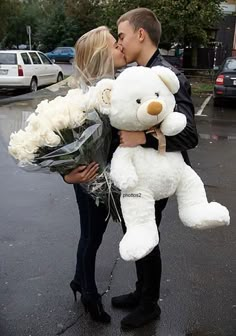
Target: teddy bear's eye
x,y
157,94
138,101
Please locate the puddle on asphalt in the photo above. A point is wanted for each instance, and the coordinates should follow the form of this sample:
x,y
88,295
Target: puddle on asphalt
x,y
14,111
199,333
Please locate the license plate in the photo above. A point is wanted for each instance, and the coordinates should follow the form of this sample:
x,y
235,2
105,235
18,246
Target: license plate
x,y
234,82
4,72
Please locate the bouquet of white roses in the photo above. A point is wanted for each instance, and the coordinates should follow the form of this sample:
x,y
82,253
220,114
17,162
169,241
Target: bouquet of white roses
x,y
64,133
61,134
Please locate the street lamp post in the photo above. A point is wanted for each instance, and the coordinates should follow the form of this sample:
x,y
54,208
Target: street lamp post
x,y
28,29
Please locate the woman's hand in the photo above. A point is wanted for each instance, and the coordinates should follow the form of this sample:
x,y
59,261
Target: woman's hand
x,y
132,138
82,174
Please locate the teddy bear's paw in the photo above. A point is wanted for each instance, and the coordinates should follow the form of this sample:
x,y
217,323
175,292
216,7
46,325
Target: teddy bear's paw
x,y
206,216
136,245
130,182
125,182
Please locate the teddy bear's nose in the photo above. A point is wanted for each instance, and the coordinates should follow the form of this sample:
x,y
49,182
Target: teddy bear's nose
x,y
154,108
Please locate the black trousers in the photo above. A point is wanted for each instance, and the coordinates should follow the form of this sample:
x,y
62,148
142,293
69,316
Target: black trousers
x,y
93,225
149,268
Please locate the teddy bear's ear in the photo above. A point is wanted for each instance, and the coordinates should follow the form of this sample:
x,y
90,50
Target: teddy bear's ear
x,y
168,77
103,93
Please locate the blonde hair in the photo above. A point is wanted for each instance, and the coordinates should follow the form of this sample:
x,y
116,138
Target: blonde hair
x,y
93,56
146,19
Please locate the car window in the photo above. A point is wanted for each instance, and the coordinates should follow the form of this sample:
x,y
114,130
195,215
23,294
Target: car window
x,y
69,49
58,49
26,58
230,64
8,58
66,50
35,58
44,59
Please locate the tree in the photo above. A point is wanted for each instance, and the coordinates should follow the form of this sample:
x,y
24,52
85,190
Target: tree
x,y
61,22
88,14
55,28
9,9
183,21
186,22
65,21
21,14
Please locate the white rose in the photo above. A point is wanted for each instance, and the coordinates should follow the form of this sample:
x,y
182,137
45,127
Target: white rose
x,y
51,139
22,146
33,123
42,106
25,158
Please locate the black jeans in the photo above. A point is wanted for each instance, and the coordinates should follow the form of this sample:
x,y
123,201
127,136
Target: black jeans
x,y
149,268
93,224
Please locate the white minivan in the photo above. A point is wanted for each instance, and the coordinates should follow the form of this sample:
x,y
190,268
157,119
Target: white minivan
x,y
27,69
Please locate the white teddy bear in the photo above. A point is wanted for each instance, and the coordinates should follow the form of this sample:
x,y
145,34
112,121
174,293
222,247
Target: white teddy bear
x,y
137,100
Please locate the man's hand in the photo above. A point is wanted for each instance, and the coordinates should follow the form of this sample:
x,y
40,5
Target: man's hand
x,y
132,139
82,174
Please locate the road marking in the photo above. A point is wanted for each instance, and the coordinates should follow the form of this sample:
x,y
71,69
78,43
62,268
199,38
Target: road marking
x,y
204,104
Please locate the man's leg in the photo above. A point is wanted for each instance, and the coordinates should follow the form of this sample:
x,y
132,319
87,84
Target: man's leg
x,y
149,268
148,271
147,291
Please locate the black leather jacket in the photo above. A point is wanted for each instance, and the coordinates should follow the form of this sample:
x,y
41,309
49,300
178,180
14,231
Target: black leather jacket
x,y
188,138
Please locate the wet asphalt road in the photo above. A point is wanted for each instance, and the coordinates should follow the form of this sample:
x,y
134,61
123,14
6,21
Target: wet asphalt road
x,y
39,230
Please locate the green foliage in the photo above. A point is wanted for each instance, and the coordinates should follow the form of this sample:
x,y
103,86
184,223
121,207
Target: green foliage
x,y
183,21
87,13
55,27
55,22
9,9
186,22
18,16
201,87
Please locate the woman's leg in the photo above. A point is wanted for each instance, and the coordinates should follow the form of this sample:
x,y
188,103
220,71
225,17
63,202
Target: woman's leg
x,y
93,225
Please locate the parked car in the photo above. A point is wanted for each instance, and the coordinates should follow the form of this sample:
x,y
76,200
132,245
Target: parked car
x,y
225,85
62,54
27,69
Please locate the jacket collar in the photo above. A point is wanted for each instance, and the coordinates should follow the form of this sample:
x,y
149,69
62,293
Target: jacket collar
x,y
153,58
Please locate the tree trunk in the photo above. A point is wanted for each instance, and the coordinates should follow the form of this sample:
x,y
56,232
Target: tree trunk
x,y
194,56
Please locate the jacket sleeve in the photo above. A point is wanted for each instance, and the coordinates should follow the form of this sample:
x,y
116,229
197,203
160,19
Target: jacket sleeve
x,y
115,142
188,138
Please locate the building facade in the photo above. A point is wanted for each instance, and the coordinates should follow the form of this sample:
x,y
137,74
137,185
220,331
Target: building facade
x,y
226,34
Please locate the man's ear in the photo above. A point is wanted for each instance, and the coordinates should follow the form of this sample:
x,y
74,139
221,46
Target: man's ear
x,y
168,77
141,34
103,95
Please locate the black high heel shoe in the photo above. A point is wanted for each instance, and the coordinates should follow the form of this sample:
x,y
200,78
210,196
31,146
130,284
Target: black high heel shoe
x,y
75,286
96,310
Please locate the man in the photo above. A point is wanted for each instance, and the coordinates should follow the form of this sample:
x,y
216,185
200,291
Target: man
x,y
139,33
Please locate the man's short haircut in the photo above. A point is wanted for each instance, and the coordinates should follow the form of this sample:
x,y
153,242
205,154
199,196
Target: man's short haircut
x,y
146,19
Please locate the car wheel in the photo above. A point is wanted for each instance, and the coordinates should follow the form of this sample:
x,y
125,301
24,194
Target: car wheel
x,y
33,85
59,77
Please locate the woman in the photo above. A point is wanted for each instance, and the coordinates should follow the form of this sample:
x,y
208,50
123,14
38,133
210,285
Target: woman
x,y
97,55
